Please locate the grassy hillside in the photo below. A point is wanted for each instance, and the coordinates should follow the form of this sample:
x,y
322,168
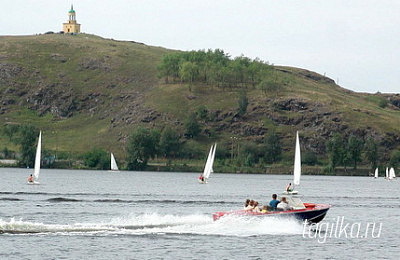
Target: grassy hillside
x,y
86,91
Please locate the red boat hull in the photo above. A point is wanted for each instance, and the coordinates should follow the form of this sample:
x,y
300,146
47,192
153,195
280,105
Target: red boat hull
x,y
313,213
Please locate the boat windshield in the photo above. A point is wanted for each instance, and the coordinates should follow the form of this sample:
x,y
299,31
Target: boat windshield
x,y
294,202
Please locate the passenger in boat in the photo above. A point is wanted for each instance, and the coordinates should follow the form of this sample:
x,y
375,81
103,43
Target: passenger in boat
x,y
264,209
30,178
250,206
256,208
283,205
246,203
274,202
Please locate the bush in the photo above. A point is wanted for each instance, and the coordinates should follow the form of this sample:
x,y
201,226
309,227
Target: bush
x,y
328,169
382,103
97,159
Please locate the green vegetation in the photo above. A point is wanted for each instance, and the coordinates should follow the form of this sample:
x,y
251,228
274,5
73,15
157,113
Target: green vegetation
x,y
97,159
371,152
273,149
25,136
142,145
214,68
243,102
85,91
192,126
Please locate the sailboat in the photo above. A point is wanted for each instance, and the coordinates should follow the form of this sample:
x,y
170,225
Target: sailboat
x,y
392,174
376,173
114,166
296,169
37,161
208,168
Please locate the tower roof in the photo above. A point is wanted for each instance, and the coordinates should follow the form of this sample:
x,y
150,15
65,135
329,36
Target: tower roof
x,y
72,9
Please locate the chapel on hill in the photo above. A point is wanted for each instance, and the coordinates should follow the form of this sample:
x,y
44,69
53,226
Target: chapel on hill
x,y
71,26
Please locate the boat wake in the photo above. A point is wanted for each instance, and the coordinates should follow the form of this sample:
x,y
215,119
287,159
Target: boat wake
x,y
149,224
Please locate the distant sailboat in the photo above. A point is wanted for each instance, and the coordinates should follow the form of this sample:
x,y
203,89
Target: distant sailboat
x,y
208,168
36,171
114,166
296,168
376,173
387,173
392,174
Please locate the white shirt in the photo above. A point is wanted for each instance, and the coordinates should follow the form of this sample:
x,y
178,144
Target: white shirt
x,y
284,206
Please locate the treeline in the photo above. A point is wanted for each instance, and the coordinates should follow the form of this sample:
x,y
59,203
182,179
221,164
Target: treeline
x,y
146,144
342,151
352,150
216,68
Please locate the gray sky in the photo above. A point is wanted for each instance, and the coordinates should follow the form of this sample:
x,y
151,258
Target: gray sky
x,y
354,42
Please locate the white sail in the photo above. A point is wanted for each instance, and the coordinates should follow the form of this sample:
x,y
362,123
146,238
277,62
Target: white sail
x,y
37,158
114,166
376,172
387,173
297,162
392,175
208,168
212,158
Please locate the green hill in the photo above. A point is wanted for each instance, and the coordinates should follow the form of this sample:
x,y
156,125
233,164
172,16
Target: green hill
x,y
85,91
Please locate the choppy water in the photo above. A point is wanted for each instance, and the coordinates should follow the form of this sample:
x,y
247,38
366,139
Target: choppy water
x,y
159,215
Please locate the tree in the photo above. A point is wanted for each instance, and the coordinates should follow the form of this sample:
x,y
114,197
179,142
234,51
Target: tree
x,y
269,84
26,137
354,148
243,102
240,67
188,72
169,66
142,145
395,159
169,143
336,150
371,152
97,158
248,152
192,126
257,71
272,148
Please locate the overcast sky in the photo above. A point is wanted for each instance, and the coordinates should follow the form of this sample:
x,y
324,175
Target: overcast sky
x,y
354,42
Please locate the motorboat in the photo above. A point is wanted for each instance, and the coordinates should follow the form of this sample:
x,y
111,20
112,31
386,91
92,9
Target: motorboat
x,y
305,212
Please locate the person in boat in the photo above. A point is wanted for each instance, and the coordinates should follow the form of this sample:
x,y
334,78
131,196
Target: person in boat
x,y
201,178
289,187
264,209
256,208
246,203
274,202
30,178
283,205
250,206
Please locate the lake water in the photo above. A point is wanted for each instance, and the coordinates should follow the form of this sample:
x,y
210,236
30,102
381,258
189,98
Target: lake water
x,y
160,215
